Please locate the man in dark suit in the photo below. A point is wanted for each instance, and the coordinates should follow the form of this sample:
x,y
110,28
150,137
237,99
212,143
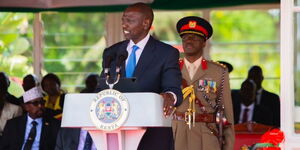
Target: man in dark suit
x,y
73,139
245,108
32,131
154,65
265,99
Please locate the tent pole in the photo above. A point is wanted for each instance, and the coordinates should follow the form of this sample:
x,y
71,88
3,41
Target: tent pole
x,y
37,45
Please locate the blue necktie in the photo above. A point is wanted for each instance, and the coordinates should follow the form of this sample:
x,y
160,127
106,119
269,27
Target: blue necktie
x,y
88,142
31,136
131,62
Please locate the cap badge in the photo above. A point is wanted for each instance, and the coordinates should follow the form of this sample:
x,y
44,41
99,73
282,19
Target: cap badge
x,y
192,24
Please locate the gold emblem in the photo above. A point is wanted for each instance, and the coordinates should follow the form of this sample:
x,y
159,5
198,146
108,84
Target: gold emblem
x,y
192,24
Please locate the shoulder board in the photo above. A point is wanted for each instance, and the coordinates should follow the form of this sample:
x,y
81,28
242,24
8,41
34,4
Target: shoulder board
x,y
181,63
217,63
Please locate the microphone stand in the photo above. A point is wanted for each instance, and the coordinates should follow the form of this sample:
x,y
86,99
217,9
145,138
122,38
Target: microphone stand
x,y
121,58
111,85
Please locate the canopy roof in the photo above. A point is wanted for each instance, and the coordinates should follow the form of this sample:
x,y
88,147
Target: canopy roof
x,y
117,5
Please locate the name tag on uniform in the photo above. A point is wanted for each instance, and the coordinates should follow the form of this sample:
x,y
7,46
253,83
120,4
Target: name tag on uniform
x,y
207,86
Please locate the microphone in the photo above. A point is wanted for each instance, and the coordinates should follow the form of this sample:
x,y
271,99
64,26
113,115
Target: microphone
x,y
121,57
107,61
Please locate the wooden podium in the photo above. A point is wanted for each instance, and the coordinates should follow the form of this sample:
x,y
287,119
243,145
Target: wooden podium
x,y
145,110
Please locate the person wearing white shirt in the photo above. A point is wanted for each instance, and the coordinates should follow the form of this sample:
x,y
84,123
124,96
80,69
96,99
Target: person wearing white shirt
x,y
153,64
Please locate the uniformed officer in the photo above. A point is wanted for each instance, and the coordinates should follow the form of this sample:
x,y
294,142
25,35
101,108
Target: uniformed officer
x,y
204,121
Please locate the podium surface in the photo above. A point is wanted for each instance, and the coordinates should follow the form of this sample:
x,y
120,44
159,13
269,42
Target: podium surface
x,y
145,110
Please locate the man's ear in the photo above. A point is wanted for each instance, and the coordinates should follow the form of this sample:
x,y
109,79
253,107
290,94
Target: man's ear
x,y
146,24
204,43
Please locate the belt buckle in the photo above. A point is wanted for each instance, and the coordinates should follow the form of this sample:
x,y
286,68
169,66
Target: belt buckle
x,y
186,117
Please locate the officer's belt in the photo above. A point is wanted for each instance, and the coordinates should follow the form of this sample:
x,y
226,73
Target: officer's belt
x,y
206,118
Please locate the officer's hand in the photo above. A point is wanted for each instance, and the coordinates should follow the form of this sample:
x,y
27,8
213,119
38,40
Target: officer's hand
x,y
168,103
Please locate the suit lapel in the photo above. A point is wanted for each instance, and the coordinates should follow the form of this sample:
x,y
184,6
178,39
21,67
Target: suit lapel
x,y
123,47
21,129
185,75
44,133
75,141
145,58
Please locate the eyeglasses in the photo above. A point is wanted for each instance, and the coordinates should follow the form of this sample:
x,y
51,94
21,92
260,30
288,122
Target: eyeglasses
x,y
36,103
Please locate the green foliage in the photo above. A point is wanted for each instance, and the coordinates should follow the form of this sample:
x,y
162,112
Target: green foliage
x,y
165,24
247,38
74,43
16,43
250,26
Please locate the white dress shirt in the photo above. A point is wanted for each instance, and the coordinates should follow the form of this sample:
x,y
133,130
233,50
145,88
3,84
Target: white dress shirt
x,y
141,44
258,96
192,67
36,143
249,114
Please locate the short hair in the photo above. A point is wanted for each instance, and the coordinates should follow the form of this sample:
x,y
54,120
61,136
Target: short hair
x,y
33,76
4,79
254,68
52,77
143,8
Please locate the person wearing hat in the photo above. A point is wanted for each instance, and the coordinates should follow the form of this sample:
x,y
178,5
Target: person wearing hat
x,y
200,123
32,131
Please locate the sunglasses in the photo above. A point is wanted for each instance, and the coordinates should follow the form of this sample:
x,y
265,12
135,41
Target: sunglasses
x,y
36,103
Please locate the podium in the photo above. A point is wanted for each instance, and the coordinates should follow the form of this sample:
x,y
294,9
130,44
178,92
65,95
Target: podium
x,y
145,110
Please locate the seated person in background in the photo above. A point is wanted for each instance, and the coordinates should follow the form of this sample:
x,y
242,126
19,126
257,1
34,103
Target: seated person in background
x,y
29,81
7,110
55,95
32,130
265,99
245,108
244,102
4,92
91,83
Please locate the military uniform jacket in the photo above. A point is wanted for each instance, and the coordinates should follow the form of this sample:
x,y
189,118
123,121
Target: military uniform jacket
x,y
200,136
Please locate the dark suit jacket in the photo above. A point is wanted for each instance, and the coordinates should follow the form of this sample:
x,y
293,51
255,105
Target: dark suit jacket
x,y
267,112
272,101
68,139
157,71
14,133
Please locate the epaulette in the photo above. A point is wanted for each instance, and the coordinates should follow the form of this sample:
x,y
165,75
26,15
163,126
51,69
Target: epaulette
x,y
181,63
217,63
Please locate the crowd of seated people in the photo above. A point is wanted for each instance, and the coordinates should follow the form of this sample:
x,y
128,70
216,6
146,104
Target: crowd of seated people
x,y
41,103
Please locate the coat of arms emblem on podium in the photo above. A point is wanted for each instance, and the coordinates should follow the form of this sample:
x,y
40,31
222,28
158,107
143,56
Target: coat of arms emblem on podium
x,y
109,110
